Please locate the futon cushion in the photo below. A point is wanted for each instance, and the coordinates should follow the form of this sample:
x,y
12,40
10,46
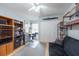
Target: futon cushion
x,y
71,46
56,50
59,42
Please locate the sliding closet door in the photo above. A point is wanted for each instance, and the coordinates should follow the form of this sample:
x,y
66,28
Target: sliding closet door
x,y
48,31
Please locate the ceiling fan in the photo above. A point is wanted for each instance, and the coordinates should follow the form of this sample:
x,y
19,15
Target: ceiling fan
x,y
36,7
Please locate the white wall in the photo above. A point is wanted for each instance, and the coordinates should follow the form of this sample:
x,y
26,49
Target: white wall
x,y
74,34
4,11
48,31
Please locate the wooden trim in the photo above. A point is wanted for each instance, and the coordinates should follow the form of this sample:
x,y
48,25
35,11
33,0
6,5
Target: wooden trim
x,y
47,49
69,11
6,17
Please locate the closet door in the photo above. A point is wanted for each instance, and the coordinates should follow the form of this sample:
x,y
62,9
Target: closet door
x,y
3,50
9,48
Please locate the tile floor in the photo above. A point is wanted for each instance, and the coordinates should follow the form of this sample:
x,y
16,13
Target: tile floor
x,y
34,48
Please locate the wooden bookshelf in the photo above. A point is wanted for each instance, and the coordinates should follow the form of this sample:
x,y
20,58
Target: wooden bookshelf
x,y
72,20
75,22
64,27
6,36
8,27
18,24
60,32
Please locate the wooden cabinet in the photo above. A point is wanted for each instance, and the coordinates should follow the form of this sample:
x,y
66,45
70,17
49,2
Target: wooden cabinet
x,y
9,48
3,50
6,49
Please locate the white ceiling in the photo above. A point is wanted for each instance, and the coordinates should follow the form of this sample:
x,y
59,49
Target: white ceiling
x,y
54,9
20,11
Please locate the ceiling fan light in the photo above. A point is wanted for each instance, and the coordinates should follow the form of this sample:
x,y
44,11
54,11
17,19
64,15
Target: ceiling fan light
x,y
43,7
37,4
33,8
37,9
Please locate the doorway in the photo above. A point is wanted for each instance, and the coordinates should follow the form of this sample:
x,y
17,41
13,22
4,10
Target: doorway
x,y
32,31
35,31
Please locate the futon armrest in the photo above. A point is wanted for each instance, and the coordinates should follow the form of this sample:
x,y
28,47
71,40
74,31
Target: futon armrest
x,y
55,44
56,50
58,45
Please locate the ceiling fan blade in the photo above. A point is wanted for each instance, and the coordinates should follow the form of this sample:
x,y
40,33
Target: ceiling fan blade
x,y
33,8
